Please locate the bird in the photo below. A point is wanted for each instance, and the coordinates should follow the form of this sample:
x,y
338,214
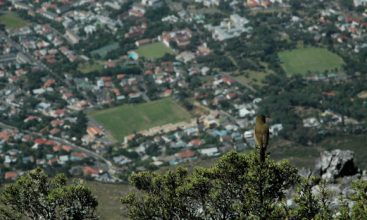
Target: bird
x,y
262,135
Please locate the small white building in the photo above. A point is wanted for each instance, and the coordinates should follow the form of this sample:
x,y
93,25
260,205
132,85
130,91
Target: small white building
x,y
249,134
245,112
209,151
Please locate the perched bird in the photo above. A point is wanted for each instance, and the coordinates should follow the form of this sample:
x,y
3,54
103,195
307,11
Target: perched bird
x,y
261,135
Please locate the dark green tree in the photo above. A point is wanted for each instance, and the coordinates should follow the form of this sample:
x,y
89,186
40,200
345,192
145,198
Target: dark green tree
x,y
37,198
237,187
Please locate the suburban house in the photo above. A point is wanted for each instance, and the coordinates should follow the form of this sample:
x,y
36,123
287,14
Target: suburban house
x,y
227,30
94,131
143,42
72,36
181,37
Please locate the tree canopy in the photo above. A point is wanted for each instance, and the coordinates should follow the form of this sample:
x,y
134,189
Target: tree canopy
x,y
37,198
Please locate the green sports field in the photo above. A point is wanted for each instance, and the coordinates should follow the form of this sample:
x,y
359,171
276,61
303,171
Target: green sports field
x,y
12,21
156,50
312,59
124,120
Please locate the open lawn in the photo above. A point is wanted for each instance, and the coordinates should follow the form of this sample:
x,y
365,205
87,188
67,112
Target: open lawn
x,y
124,120
156,50
253,77
12,21
86,68
312,59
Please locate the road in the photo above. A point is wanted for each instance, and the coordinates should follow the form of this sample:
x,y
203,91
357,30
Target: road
x,y
242,83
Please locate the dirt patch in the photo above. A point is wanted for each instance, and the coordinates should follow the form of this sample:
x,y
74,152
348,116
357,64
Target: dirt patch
x,y
146,118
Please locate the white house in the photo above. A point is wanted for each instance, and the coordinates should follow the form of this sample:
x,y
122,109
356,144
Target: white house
x,y
244,112
249,134
209,151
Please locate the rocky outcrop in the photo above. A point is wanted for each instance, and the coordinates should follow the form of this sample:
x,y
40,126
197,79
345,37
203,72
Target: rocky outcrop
x,y
334,164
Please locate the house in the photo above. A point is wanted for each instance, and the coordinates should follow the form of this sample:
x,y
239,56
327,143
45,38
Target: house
x,y
63,159
209,151
181,37
205,71
186,154
72,36
225,138
11,175
67,96
231,95
249,134
245,112
196,142
66,148
91,171
311,122
28,159
53,161
136,31
240,147
274,129
236,136
94,131
143,42
54,131
227,30
137,10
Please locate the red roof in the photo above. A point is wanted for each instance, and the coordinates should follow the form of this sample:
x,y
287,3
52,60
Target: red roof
x,y
66,148
106,78
119,76
9,175
90,171
53,160
168,91
343,37
76,154
225,79
39,141
350,19
196,142
186,154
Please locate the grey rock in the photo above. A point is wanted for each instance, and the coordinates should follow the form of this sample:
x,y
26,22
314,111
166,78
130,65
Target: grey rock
x,y
336,204
334,189
306,173
348,179
364,175
334,164
347,192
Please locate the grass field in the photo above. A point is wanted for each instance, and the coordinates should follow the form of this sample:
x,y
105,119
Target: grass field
x,y
156,50
12,21
254,77
86,68
124,120
312,59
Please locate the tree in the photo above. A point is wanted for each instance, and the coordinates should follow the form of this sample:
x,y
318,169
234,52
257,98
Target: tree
x,y
37,198
239,186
